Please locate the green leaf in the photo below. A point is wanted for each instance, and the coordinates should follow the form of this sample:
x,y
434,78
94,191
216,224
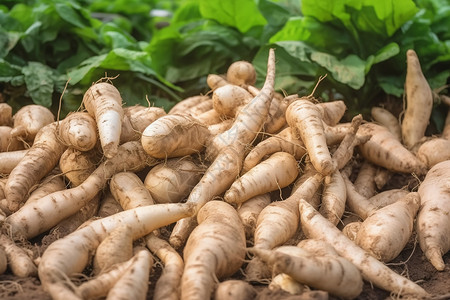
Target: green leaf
x,y
274,13
70,15
29,40
298,50
382,17
40,83
118,60
392,85
439,79
80,72
321,36
118,40
188,11
161,48
241,14
8,71
350,70
292,61
388,51
20,17
4,43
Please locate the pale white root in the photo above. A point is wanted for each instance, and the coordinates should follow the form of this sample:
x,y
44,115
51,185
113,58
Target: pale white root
x,y
306,120
210,117
129,190
135,119
215,81
351,230
172,181
384,117
234,289
6,118
385,232
108,205
31,220
285,141
250,119
250,210
38,161
387,197
433,220
103,102
181,232
331,273
198,109
364,182
333,198
54,267
9,160
241,73
384,150
215,249
71,223
228,99
287,283
434,151
133,284
188,103
53,182
9,143
168,285
29,120
344,152
357,203
274,173
332,112
419,102
318,247
115,248
99,286
363,206
374,271
279,220
78,130
276,120
174,135
77,165
227,150
19,261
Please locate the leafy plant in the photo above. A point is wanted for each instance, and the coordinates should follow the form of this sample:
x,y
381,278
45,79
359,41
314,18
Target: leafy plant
x,y
48,43
164,57
361,45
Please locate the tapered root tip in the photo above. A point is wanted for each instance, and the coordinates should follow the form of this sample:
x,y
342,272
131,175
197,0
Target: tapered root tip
x,y
434,255
110,150
231,197
326,167
176,242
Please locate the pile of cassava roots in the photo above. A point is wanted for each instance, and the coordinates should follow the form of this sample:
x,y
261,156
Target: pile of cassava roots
x,y
241,180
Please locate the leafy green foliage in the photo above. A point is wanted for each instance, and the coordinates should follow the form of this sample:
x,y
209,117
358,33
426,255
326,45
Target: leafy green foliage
x,y
162,51
48,43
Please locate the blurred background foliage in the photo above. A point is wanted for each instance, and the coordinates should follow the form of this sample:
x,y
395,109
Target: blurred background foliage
x,y
160,52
